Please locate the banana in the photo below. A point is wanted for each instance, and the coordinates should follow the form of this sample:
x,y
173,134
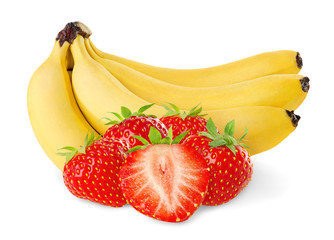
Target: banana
x,y
54,115
276,62
280,90
99,92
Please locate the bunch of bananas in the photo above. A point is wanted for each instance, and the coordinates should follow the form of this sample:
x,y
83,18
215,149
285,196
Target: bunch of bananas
x,y
260,92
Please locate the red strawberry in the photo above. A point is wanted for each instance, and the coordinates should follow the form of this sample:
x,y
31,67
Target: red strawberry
x,y
182,122
229,162
163,181
134,124
92,172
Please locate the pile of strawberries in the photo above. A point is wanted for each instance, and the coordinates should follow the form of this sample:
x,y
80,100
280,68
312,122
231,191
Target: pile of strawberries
x,y
165,168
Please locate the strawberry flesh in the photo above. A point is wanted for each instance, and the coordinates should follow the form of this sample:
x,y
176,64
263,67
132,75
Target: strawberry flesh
x,y
166,182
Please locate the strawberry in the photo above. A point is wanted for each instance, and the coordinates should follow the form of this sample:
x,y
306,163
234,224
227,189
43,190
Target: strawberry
x,y
182,122
136,123
229,162
92,171
164,180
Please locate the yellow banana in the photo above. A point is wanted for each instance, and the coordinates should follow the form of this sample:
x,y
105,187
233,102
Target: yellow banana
x,y
53,112
280,90
277,62
98,92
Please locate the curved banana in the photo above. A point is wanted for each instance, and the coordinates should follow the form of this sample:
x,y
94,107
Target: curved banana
x,y
280,90
276,62
53,112
98,92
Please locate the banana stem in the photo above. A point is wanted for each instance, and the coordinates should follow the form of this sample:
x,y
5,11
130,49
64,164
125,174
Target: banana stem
x,y
70,32
299,60
294,118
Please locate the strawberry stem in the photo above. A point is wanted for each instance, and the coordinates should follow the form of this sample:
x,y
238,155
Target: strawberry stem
x,y
223,139
155,138
126,113
175,111
72,151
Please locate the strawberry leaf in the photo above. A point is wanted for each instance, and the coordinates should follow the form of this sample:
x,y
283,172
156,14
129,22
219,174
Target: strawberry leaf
x,y
136,148
170,113
212,129
245,146
66,148
118,116
206,134
144,108
170,133
82,149
154,135
167,140
217,143
179,138
112,122
232,148
243,136
69,156
125,112
89,139
143,140
229,128
195,112
174,107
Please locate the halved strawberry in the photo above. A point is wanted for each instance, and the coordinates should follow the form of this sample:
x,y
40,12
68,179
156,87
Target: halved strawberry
x,y
130,124
163,181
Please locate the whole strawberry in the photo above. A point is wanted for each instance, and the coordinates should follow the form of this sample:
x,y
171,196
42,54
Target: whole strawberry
x,y
163,179
228,160
182,122
136,123
92,172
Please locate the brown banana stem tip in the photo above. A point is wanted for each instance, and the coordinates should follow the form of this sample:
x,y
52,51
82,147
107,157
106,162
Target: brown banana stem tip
x,y
294,117
70,31
299,60
305,82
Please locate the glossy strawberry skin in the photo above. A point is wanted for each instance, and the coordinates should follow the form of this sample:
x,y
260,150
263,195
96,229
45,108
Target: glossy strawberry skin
x,y
165,182
135,125
95,175
194,124
229,173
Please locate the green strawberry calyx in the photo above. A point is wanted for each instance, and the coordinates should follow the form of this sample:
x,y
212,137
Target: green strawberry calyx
x,y
72,151
155,138
223,139
126,113
175,111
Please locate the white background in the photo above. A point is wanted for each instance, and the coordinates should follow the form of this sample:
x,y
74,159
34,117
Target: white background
x,y
291,194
